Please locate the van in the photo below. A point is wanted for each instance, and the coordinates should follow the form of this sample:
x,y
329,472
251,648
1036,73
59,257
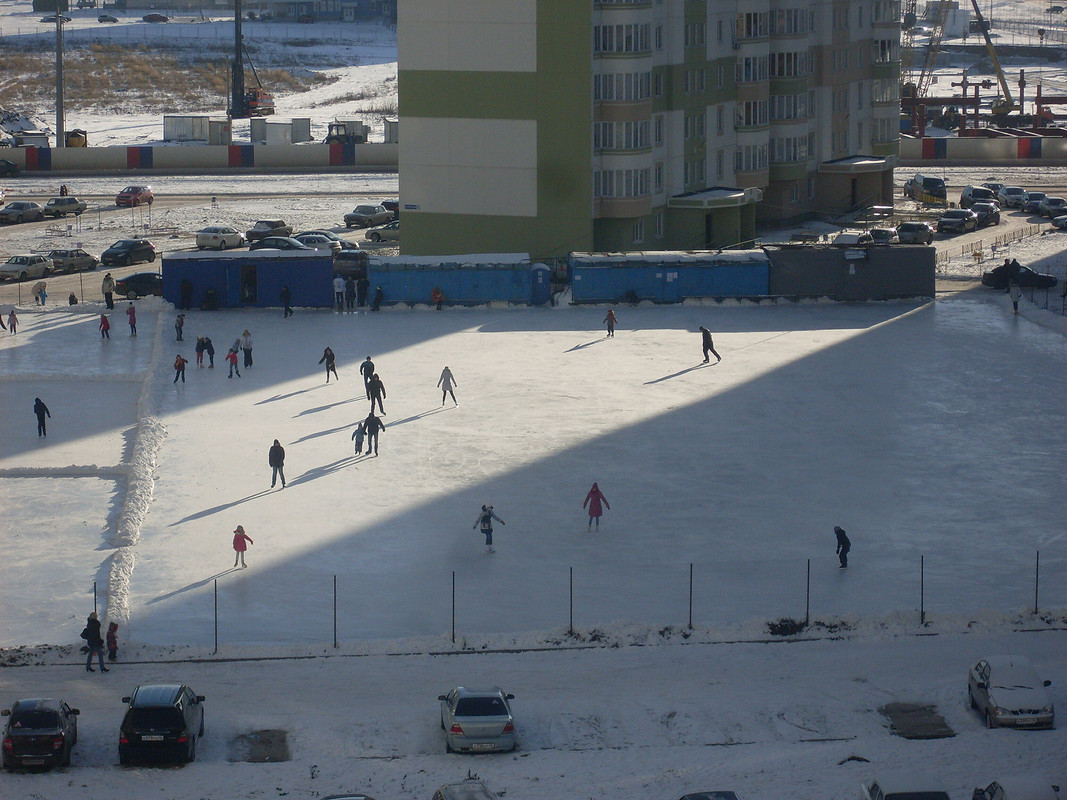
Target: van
x,y
926,189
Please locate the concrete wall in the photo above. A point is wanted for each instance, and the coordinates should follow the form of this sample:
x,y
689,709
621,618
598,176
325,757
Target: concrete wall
x,y
1010,148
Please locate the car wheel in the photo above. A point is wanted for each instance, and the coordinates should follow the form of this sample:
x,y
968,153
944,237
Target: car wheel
x,y
989,721
18,219
448,747
191,757
970,699
131,295
151,257
348,225
23,276
39,217
45,272
150,199
65,761
375,237
222,246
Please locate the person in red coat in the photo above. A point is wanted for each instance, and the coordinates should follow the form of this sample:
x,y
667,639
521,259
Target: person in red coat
x,y
240,543
594,499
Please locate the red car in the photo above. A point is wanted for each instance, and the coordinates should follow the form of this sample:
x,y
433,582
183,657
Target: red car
x,y
134,196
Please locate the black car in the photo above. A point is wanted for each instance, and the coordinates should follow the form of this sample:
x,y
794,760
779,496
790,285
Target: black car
x,y
987,213
40,732
163,722
278,243
957,220
125,252
140,284
8,169
1001,277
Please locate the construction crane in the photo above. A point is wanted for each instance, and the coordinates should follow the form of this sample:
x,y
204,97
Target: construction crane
x,y
244,103
1003,104
914,89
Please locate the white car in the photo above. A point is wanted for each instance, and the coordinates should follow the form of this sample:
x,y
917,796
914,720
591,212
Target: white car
x,y
477,720
27,266
219,237
1018,787
1005,690
853,238
904,786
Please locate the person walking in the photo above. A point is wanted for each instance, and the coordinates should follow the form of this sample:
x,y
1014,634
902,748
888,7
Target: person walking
x,y
179,367
610,320
286,298
350,293
379,298
40,292
339,292
357,436
276,460
200,348
93,640
437,297
366,369
1014,292
231,359
41,410
241,540
13,321
179,326
113,641
105,327
372,426
362,287
445,384
595,499
377,393
131,315
330,360
485,520
107,288
843,546
709,346
246,347
209,348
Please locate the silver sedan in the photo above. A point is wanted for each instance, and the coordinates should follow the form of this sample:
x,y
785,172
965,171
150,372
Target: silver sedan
x,y
477,720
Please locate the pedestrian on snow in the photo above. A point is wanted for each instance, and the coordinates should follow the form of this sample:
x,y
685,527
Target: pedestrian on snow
x,y
179,326
91,635
362,287
276,460
72,300
379,298
200,348
107,288
40,292
1014,291
105,327
179,367
372,426
610,320
330,360
446,383
366,369
41,410
485,519
377,392
13,321
843,546
240,544
187,294
231,359
594,499
131,315
357,437
113,641
339,292
2,325
709,347
246,348
286,298
350,293
437,297
209,348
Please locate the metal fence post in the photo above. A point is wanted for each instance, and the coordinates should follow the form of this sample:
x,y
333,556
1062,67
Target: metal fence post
x,y
690,595
334,612
922,590
1037,574
807,598
570,623
453,606
95,609
215,652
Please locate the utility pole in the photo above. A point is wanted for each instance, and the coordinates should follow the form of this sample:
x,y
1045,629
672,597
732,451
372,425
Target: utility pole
x,y
59,76
237,72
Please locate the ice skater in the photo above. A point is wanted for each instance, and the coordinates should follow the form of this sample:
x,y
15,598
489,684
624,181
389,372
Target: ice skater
x,y
113,641
179,327
377,393
246,347
709,346
131,315
610,320
1015,293
105,327
445,385
231,359
209,348
200,348
241,540
13,321
286,298
357,437
107,288
843,546
485,520
179,367
330,360
95,643
41,411
595,499
276,460
372,426
366,369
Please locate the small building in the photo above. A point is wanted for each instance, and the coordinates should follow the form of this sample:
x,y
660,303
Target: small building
x,y
250,279
471,279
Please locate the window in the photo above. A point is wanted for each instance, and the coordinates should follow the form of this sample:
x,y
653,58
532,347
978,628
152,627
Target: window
x,y
696,34
750,157
620,135
885,130
751,113
789,149
719,161
719,120
694,126
788,22
626,86
657,173
657,127
811,187
791,65
885,91
694,172
840,60
885,51
639,231
720,77
621,183
659,37
839,101
719,30
885,11
657,221
839,21
657,84
794,193
752,25
695,80
789,106
621,38
859,94
751,68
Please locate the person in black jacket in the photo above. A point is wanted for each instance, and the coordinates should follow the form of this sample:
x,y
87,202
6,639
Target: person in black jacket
x,y
330,360
709,347
287,298
362,285
276,459
843,546
95,643
379,298
376,389
366,369
371,426
41,410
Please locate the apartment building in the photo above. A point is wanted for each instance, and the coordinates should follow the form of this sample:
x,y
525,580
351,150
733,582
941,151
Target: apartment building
x,y
550,126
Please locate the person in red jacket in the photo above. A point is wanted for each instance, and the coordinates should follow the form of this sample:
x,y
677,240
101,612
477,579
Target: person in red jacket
x,y
105,327
240,544
112,642
131,312
231,358
594,499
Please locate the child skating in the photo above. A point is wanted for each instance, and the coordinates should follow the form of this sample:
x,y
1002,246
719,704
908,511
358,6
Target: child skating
x,y
485,520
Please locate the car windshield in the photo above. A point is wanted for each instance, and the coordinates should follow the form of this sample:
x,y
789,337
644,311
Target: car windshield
x,y
18,260
155,718
481,707
35,719
123,244
365,209
131,190
957,214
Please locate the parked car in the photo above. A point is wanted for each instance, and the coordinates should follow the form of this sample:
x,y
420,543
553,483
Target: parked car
x,y
1011,196
1052,207
155,18
8,169
853,238
219,237
27,266
72,259
477,720
125,252
926,187
976,194
40,732
107,18
915,233
884,235
278,243
1017,787
134,195
470,789
346,244
957,220
367,216
61,206
392,205
987,213
1002,276
1060,222
162,722
140,284
993,186
21,211
390,232
1006,691
268,227
316,241
904,786
51,18
1033,202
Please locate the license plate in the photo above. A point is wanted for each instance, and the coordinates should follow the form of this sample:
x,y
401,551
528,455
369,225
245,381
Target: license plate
x,y
483,747
1026,721
152,737
32,760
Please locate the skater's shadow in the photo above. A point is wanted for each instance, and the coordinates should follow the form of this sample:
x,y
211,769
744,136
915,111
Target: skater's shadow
x,y
207,512
414,417
318,434
290,394
194,585
324,470
587,344
679,373
327,407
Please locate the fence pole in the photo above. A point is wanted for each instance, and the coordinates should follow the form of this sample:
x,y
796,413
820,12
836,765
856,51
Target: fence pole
x,y
807,598
95,609
216,617
1037,574
453,606
922,590
334,612
690,595
570,623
